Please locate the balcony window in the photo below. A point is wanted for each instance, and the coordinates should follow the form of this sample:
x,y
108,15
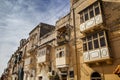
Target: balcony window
x,y
95,41
42,52
95,76
86,16
84,47
97,9
96,44
102,42
71,74
90,12
90,45
60,54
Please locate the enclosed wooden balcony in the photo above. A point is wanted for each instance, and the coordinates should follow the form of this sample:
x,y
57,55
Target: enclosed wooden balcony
x,y
43,55
62,58
91,18
96,48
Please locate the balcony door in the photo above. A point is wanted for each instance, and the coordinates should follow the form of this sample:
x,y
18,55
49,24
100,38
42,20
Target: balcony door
x,y
95,76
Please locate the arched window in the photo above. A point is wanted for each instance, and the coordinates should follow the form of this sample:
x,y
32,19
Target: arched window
x,y
95,76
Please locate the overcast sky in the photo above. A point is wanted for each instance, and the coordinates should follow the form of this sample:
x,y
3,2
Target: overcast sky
x,y
19,17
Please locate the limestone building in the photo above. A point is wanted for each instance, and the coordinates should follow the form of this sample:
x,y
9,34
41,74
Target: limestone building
x,y
97,24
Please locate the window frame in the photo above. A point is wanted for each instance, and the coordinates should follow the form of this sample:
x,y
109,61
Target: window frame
x,y
86,41
82,18
91,9
88,10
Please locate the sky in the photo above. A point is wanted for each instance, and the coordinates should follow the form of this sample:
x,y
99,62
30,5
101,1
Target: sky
x,y
19,17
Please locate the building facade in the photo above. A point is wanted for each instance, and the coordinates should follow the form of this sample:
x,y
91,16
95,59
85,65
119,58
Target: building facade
x,y
83,45
97,22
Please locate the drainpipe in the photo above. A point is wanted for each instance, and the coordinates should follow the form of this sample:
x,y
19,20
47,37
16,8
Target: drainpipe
x,y
75,45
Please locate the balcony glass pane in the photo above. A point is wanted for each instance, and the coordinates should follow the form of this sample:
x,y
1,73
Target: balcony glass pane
x,y
90,46
101,33
102,42
86,16
97,10
89,38
96,44
91,14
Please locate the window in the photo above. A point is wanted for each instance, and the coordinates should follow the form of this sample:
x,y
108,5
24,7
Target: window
x,y
71,74
50,69
53,72
96,76
95,41
90,12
